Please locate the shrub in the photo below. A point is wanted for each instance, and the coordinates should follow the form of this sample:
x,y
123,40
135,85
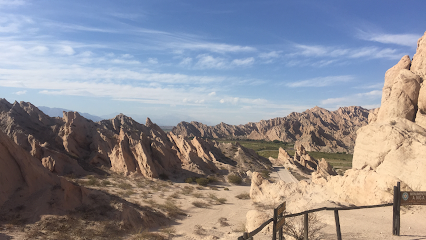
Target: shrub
x,y
124,185
200,204
199,230
189,180
202,181
243,196
223,222
226,189
217,200
235,179
265,174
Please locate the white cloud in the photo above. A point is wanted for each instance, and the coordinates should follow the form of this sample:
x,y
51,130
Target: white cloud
x,y
21,92
243,62
359,99
318,51
207,61
152,61
213,47
186,62
212,94
409,40
222,101
272,54
67,50
320,81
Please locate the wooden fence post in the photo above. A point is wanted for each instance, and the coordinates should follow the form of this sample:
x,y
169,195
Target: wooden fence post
x,y
274,226
336,218
396,222
306,226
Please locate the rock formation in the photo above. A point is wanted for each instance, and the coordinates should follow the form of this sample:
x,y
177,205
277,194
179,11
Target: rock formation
x,y
305,163
391,148
317,129
75,145
28,191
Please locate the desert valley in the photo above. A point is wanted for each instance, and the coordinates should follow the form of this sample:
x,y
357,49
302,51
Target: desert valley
x,y
72,178
309,69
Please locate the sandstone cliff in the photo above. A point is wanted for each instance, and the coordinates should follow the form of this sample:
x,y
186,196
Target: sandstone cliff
x,y
317,129
28,191
75,145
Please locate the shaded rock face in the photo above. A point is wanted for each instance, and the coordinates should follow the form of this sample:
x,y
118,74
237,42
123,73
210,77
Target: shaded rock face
x,y
76,145
317,129
28,190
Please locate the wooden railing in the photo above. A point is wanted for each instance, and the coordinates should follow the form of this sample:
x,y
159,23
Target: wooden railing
x,y
279,219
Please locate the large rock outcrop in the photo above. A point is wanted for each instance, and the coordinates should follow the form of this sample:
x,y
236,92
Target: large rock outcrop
x,y
28,191
317,129
75,145
391,148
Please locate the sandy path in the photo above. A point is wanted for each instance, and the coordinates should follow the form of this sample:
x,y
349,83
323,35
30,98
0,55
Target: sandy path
x,y
234,210
284,175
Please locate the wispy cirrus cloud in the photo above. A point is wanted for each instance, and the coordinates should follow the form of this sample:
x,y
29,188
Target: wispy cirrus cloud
x,y
407,39
12,2
320,81
364,99
319,51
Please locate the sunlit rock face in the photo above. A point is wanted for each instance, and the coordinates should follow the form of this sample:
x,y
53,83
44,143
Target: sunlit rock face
x,y
75,145
316,129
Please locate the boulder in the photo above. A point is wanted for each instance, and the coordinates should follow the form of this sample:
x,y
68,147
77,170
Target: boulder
x,y
399,100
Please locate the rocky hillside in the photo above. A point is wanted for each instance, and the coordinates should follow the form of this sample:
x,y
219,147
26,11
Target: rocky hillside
x,y
29,193
317,129
390,149
75,145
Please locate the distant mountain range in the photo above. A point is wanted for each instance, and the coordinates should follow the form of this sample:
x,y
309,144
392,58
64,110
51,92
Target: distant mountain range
x,y
317,129
58,112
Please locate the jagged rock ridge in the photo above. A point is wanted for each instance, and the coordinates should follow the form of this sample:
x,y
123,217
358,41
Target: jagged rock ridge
x,y
317,129
75,145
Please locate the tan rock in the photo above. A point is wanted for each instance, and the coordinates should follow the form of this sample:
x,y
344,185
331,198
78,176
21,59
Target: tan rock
x,y
284,158
401,98
418,66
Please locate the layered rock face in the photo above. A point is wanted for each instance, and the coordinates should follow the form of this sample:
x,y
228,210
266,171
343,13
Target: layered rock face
x,y
304,162
317,129
76,145
28,190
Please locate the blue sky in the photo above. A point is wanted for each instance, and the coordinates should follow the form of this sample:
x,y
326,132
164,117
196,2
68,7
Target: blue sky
x,y
210,61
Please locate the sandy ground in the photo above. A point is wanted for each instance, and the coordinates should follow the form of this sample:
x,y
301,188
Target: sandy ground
x,y
226,221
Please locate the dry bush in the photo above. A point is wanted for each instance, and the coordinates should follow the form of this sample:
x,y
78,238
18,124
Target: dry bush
x,y
235,179
127,193
171,208
105,183
294,227
187,190
146,235
202,181
125,186
215,200
243,196
199,230
198,195
200,204
175,195
223,222
169,231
